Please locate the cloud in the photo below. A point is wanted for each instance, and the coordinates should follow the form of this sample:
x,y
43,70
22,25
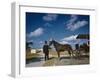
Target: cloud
x,y
69,40
41,42
36,33
48,25
72,37
73,18
74,24
50,17
63,42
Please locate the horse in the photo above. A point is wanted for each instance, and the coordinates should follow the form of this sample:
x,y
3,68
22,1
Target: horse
x,y
61,47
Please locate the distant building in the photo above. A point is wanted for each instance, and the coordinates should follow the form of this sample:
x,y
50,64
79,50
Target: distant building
x,y
33,51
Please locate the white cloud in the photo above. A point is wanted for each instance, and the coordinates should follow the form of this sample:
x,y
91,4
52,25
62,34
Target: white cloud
x,y
73,18
50,17
41,42
74,23
63,42
69,40
48,25
36,33
72,37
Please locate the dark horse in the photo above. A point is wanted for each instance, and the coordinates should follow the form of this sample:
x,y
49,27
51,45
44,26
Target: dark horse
x,y
61,47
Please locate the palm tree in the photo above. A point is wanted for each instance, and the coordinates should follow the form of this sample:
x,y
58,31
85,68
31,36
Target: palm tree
x,y
28,48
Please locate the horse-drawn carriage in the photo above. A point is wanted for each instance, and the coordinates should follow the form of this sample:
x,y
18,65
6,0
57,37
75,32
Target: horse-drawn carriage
x,y
82,49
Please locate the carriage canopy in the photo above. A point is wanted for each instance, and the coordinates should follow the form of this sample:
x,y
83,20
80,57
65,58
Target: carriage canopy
x,y
83,36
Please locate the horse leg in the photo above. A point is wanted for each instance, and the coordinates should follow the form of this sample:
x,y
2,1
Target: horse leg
x,y
69,53
72,53
58,55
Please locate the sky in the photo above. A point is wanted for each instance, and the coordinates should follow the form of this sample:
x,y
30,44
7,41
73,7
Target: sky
x,y
63,28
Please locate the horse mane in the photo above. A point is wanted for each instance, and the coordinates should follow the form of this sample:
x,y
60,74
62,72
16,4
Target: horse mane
x,y
56,42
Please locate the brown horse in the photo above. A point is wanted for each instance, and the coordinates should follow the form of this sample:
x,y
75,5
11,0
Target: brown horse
x,y
61,47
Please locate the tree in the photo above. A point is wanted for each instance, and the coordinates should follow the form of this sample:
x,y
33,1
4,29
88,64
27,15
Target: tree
x,y
28,48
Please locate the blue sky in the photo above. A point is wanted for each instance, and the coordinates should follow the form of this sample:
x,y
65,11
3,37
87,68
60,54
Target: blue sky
x,y
63,28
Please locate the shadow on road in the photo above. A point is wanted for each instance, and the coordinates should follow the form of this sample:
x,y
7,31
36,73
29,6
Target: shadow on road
x,y
37,59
